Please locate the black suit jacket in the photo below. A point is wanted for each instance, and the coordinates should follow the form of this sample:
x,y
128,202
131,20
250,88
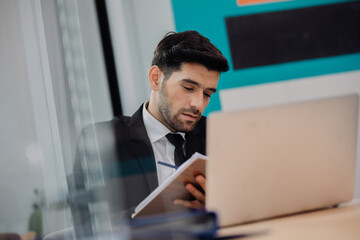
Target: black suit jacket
x,y
119,152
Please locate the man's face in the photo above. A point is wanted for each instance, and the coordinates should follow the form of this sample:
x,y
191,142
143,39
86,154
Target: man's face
x,y
184,96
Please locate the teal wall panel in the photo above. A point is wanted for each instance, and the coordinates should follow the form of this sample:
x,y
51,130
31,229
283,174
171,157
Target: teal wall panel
x,y
208,17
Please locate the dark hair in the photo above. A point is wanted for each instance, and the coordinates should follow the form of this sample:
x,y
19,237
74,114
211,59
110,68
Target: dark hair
x,y
187,47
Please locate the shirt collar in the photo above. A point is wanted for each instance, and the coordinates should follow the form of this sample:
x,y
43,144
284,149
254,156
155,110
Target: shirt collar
x,y
155,129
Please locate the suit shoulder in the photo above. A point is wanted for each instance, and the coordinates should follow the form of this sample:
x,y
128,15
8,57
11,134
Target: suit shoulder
x,y
118,126
121,120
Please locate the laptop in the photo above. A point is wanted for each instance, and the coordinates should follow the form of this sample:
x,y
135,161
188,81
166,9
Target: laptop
x,y
280,160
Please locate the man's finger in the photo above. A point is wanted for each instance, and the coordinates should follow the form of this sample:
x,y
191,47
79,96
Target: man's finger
x,y
200,179
195,192
189,204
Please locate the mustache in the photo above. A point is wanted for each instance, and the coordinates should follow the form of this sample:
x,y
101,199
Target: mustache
x,y
193,111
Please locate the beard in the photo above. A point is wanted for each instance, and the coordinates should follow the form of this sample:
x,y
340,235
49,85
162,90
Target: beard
x,y
172,118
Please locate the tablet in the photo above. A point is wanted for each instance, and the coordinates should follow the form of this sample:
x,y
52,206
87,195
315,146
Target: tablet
x,y
161,199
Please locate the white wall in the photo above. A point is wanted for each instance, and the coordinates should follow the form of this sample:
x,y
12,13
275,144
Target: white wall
x,y
38,130
136,27
94,61
31,153
81,90
19,174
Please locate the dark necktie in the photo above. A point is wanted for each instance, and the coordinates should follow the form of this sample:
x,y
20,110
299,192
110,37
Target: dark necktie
x,y
177,140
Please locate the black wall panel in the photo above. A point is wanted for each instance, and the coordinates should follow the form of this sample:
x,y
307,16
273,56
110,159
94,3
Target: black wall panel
x,y
292,35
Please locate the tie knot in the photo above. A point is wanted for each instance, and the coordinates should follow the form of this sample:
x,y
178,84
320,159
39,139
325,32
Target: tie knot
x,y
176,139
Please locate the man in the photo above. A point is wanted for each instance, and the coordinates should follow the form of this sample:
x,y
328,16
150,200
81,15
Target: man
x,y
184,74
185,71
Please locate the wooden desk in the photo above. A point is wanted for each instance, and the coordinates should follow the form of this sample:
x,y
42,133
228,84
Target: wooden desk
x,y
342,222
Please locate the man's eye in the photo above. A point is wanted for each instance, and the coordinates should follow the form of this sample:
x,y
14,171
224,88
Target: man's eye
x,y
207,95
188,88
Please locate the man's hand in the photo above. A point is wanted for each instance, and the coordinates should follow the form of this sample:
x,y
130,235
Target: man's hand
x,y
199,201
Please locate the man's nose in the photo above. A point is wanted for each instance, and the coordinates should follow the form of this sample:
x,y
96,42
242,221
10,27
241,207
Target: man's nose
x,y
197,100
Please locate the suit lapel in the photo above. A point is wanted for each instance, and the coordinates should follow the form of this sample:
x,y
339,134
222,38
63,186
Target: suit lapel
x,y
142,148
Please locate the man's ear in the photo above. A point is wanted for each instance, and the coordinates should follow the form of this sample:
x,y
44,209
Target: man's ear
x,y
155,75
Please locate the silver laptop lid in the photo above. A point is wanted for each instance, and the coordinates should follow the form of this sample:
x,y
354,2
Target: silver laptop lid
x,y
278,160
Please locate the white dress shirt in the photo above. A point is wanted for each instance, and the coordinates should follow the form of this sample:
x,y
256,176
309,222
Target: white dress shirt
x,y
162,148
